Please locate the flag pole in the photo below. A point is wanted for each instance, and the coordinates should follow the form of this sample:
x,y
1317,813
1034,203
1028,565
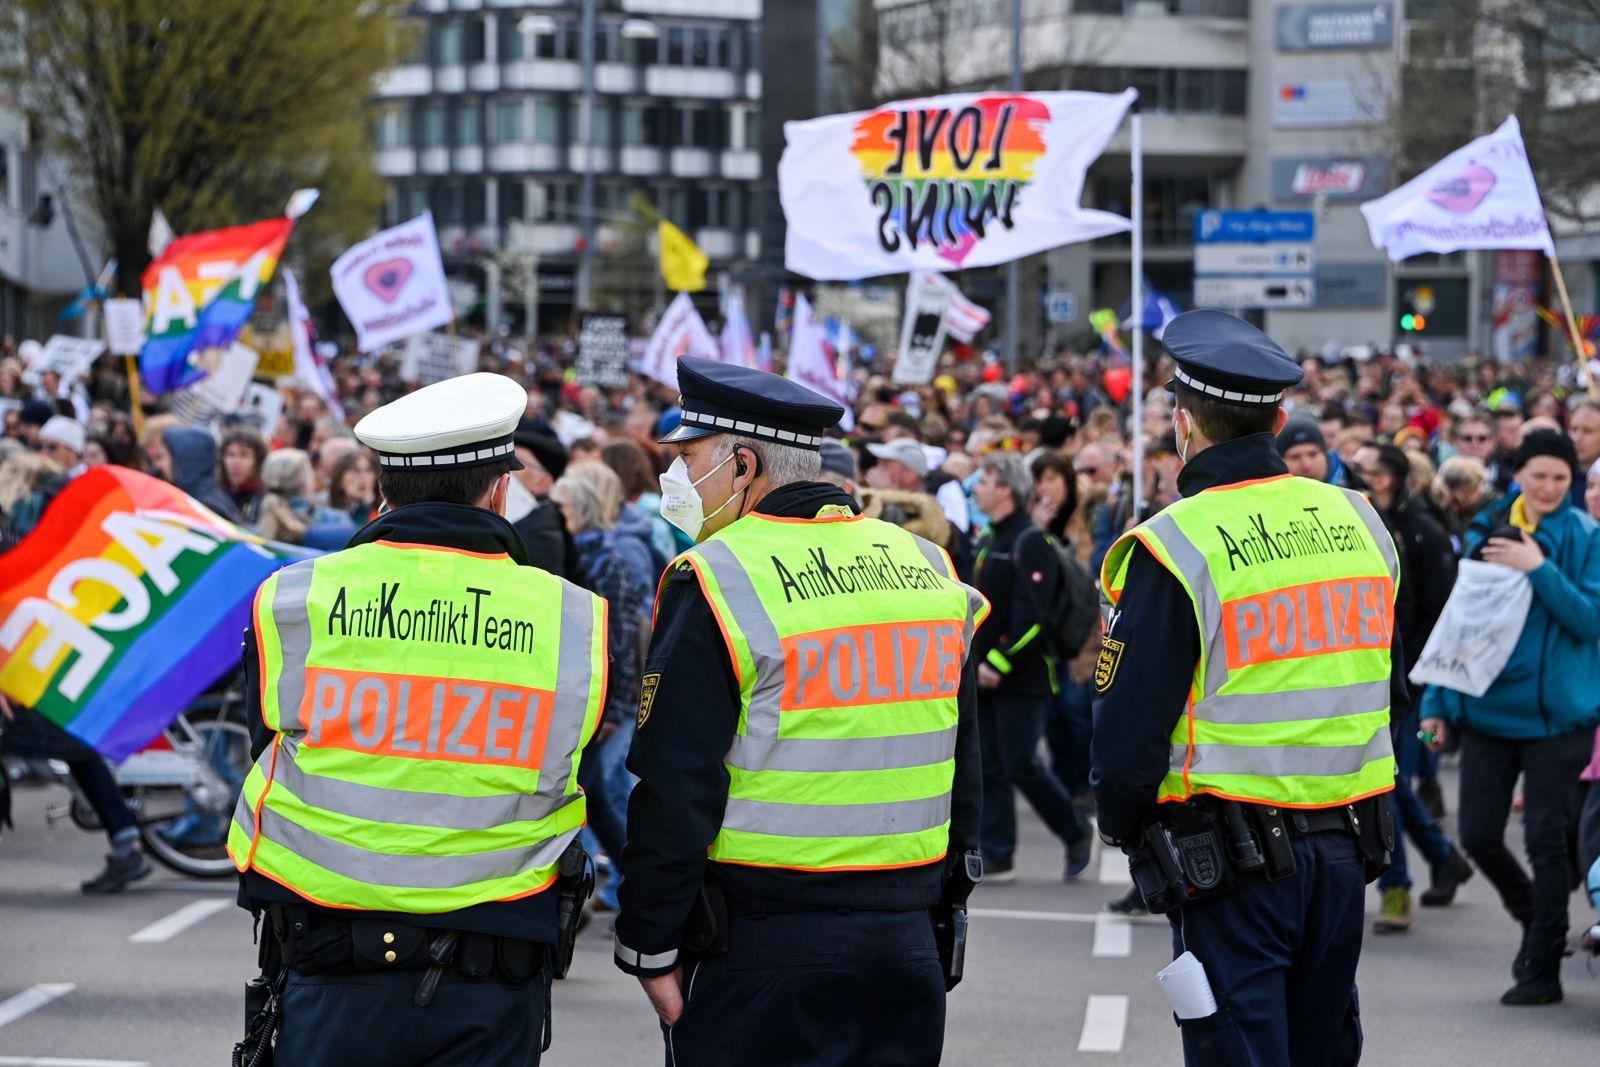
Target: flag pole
x,y
134,397
1572,327
1136,430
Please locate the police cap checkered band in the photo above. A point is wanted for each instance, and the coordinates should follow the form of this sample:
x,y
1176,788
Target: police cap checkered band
x,y
476,455
1228,395
723,424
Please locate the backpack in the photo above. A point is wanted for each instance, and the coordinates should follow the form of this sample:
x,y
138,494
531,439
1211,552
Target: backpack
x,y
1074,603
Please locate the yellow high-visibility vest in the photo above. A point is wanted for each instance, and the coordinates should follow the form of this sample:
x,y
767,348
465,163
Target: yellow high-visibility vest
x,y
848,637
429,707
1293,584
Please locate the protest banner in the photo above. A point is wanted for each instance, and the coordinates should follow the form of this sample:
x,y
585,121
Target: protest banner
x,y
124,326
310,368
965,180
435,357
962,318
603,350
814,363
68,357
681,332
392,285
922,332
222,392
738,346
124,604
199,294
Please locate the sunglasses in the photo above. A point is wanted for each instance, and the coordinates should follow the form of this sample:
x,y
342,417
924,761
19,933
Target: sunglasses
x,y
1473,438
1090,471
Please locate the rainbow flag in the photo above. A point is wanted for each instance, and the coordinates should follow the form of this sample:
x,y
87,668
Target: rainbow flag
x,y
199,293
126,602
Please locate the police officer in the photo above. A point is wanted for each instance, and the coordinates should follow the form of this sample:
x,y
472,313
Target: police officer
x,y
1242,747
807,754
421,699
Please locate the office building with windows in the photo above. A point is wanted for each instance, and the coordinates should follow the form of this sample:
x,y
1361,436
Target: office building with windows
x,y
484,126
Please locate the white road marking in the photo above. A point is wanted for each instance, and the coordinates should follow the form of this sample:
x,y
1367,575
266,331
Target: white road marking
x,y
1114,868
1105,1021
52,1061
1063,916
1113,936
179,921
32,998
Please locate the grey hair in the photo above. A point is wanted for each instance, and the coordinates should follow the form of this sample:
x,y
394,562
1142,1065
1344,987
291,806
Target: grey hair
x,y
593,492
287,472
1011,472
1460,472
781,464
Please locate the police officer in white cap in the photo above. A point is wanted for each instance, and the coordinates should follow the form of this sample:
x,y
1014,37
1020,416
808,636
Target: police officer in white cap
x,y
420,701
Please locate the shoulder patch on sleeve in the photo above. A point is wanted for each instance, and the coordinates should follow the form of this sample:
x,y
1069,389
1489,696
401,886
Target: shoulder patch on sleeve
x,y
1105,666
647,694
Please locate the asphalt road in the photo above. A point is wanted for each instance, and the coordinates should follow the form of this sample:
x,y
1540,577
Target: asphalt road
x,y
154,976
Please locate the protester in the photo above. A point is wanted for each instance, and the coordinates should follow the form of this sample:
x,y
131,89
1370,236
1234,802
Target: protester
x,y
549,546
243,453
285,511
1537,719
631,460
64,440
353,486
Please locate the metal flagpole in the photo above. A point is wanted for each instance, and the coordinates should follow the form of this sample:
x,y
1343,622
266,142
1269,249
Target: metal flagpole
x,y
1013,273
1136,430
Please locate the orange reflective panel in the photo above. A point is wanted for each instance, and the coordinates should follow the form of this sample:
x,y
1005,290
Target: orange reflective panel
x,y
876,664
1304,620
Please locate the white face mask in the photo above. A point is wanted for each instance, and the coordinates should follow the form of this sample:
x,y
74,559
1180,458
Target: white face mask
x,y
680,500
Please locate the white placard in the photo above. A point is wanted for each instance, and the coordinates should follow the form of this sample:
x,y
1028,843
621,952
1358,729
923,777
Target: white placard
x,y
435,357
922,332
124,326
392,286
70,357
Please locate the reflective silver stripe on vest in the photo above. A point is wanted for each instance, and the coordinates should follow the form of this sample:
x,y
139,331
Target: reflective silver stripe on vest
x,y
409,871
836,820
753,621
1277,761
842,753
386,805
573,669
1242,709
1378,531
1192,563
941,563
293,623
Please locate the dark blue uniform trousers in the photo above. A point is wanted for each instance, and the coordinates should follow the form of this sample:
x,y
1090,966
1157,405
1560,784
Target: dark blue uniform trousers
x,y
342,1019
1281,957
819,989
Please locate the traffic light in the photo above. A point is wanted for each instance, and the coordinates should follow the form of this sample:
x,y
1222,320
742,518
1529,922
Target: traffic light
x,y
1413,323
1415,304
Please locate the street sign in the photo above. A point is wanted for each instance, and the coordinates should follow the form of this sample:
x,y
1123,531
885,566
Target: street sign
x,y
1254,259
1236,227
1244,291
1061,307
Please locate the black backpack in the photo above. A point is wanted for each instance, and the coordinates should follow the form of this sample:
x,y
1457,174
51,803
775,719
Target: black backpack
x,y
1074,603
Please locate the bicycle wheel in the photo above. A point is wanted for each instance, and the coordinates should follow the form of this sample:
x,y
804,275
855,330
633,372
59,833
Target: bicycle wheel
x,y
186,828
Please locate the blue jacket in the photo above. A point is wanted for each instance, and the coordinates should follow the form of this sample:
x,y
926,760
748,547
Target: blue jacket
x,y
1551,684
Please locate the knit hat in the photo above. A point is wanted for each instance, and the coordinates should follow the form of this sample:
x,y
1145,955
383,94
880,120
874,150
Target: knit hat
x,y
37,412
68,433
547,449
1547,443
837,459
1301,432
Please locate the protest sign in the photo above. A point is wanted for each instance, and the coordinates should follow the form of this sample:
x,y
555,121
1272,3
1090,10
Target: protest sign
x,y
922,332
392,286
262,407
603,350
1477,630
124,326
814,363
69,357
965,180
222,392
435,357
681,332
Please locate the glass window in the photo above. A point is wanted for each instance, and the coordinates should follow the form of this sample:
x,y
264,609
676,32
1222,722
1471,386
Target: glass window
x,y
1234,86
1197,91
447,43
513,196
700,47
469,123
697,127
676,206
677,41
477,199
640,125
476,40
510,39
546,122
604,120
433,126
508,122
547,45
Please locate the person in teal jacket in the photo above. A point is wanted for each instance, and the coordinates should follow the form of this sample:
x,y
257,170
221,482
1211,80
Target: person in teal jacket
x,y
1537,719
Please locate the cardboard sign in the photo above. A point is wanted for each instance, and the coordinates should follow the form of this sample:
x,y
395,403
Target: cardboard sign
x,y
124,326
603,350
275,363
435,357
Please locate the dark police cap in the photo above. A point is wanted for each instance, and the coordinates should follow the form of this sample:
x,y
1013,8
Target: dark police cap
x,y
723,398
1223,356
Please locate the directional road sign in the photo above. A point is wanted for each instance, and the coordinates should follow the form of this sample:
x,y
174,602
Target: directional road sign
x,y
1255,259
1243,291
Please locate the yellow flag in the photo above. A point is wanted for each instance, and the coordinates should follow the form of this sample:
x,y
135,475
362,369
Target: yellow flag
x,y
683,265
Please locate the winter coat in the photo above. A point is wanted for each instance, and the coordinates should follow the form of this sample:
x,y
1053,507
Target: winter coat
x,y
194,468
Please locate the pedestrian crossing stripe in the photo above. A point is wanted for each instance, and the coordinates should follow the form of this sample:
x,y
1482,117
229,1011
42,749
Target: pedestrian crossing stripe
x,y
647,694
1105,667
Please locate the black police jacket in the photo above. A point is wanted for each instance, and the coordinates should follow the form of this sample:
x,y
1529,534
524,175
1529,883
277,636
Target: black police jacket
x,y
1135,714
1017,571
675,812
470,529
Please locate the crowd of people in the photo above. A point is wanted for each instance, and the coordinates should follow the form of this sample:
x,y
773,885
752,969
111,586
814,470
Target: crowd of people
x,y
1469,460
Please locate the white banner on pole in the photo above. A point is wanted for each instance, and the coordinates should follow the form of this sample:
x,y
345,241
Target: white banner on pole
x,y
965,180
435,357
681,332
738,346
392,285
1479,196
308,366
124,326
922,332
814,364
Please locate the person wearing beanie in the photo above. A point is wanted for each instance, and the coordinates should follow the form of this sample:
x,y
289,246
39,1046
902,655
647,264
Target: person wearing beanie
x,y
1537,719
62,440
839,465
35,413
530,510
1305,450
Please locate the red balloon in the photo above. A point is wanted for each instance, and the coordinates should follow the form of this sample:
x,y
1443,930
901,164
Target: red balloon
x,y
1117,381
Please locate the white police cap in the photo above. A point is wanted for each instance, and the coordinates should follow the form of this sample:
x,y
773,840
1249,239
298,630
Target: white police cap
x,y
461,422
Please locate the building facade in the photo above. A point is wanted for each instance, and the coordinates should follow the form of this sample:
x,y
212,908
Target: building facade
x,y
483,126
